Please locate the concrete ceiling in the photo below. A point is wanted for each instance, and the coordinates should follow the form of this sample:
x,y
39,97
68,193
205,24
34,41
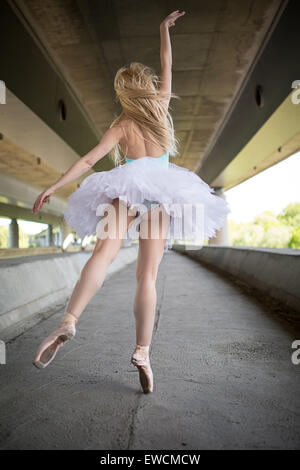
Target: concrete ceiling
x,y
24,166
88,40
213,46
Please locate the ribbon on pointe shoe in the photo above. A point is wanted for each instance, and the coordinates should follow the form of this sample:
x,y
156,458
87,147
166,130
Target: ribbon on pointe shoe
x,y
141,355
68,319
140,358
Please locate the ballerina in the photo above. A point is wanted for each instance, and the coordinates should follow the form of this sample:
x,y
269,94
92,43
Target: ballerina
x,y
146,193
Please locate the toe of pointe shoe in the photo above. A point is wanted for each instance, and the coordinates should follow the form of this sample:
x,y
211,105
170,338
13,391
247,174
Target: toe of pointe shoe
x,y
145,373
146,379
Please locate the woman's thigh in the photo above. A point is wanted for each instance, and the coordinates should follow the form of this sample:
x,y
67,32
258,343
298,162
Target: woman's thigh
x,y
113,228
154,229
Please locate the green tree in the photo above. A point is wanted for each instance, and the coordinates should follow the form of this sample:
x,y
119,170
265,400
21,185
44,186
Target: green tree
x,y
23,239
294,241
290,215
3,237
268,230
267,220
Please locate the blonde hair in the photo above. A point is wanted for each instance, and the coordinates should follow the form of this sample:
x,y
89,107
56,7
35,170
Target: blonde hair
x,y
136,87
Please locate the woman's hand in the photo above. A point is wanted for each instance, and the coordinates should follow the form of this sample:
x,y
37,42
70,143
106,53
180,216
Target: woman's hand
x,y
170,19
41,199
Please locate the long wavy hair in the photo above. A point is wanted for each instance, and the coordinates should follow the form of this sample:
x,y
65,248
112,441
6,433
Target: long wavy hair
x,y
136,88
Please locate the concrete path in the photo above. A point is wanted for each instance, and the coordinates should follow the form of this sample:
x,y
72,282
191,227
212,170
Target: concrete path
x,y
222,365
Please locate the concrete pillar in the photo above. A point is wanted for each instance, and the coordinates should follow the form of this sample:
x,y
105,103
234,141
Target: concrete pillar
x,y
65,230
57,237
13,239
49,235
222,235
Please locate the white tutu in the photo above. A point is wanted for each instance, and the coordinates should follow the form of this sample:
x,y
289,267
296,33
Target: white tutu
x,y
180,191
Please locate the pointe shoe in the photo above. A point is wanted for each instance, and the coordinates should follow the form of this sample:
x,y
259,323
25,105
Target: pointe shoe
x,y
140,359
49,347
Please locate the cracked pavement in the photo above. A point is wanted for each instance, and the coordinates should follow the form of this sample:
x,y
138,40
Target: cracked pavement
x,y
222,369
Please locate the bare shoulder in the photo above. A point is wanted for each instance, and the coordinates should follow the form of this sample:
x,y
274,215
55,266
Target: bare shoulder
x,y
117,129
125,122
126,125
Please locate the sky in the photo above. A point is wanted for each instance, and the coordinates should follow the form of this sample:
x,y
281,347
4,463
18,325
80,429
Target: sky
x,y
28,227
270,190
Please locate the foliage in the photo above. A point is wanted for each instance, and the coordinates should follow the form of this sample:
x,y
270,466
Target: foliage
x,y
294,241
269,230
3,237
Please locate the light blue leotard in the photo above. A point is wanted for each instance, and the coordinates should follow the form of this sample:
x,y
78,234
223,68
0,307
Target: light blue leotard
x,y
164,159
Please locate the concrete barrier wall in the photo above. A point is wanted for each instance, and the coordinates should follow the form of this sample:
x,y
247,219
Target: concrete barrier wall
x,y
31,288
274,271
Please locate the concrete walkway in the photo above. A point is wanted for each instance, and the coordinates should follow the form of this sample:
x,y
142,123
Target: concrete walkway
x,y
222,365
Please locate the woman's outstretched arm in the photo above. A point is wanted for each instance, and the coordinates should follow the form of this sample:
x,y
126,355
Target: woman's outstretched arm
x,y
111,137
165,80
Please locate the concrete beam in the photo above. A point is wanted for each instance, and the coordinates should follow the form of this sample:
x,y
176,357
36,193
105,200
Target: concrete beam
x,y
18,193
266,86
11,211
30,73
276,140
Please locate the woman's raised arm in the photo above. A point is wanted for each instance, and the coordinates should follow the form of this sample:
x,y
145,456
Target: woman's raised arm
x,y
165,79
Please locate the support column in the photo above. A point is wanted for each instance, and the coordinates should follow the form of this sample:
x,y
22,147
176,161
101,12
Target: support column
x,y
222,235
65,230
49,235
13,239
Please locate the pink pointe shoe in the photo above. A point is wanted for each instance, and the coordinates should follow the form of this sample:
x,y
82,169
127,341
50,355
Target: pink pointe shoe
x,y
140,359
49,347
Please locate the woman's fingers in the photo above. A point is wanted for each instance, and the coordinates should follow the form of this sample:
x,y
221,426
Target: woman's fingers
x,y
36,206
175,16
177,13
40,201
172,17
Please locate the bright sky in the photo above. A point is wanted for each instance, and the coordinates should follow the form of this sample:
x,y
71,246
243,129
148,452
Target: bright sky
x,y
28,227
271,190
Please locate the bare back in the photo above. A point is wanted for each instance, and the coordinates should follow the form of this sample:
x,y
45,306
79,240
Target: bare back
x,y
133,144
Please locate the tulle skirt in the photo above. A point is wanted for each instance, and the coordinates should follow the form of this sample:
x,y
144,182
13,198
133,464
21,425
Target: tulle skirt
x,y
196,213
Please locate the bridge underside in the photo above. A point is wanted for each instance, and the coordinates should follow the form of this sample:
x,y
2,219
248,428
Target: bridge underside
x,y
70,51
60,60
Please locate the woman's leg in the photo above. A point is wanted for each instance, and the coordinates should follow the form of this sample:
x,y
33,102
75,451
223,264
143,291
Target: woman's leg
x,y
94,271
149,257
91,279
151,249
